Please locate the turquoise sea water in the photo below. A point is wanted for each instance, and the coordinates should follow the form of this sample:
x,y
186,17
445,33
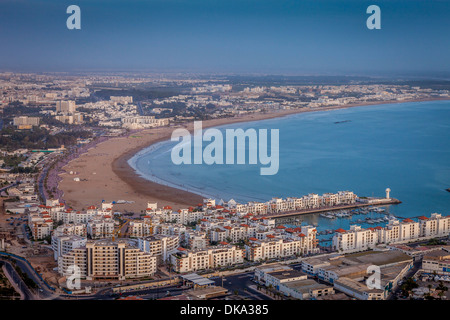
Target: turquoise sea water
x,y
405,147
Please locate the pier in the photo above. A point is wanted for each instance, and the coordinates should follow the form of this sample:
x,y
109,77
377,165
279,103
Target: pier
x,y
378,202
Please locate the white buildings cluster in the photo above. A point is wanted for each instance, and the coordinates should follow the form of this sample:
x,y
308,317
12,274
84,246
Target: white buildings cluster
x,y
214,257
98,221
259,238
396,231
143,122
310,201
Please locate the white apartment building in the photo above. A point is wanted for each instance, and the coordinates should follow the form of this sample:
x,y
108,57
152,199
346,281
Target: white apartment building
x,y
140,228
358,239
310,201
78,229
435,226
230,233
170,229
396,231
100,228
213,257
41,225
196,240
355,239
140,122
160,246
66,107
109,260
272,247
63,244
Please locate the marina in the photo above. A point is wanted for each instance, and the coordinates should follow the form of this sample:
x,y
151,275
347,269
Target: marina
x,y
327,222
342,210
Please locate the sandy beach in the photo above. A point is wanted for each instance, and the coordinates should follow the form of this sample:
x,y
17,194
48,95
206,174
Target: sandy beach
x,y
105,174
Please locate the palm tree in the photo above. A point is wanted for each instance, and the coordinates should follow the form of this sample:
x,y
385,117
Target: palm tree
x,y
442,289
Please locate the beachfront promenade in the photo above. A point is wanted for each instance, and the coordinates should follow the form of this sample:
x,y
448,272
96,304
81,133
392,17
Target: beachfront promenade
x,y
332,208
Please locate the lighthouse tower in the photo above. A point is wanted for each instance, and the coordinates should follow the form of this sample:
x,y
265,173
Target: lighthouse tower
x,y
387,193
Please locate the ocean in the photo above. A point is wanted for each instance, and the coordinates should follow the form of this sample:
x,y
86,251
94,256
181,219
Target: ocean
x,y
404,146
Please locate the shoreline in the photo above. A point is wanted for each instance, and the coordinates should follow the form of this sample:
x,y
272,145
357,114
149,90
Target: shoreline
x,y
110,158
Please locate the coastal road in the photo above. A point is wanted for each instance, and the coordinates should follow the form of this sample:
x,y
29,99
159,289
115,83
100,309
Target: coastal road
x,y
42,292
17,281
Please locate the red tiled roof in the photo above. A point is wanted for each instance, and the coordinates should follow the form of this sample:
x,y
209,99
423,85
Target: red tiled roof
x,y
407,220
340,230
301,235
252,239
423,218
223,242
228,227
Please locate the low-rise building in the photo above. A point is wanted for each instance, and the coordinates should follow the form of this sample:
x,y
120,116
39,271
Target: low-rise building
x,y
305,289
437,262
358,290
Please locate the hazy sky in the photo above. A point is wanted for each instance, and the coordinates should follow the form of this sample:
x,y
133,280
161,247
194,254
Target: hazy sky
x,y
263,36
